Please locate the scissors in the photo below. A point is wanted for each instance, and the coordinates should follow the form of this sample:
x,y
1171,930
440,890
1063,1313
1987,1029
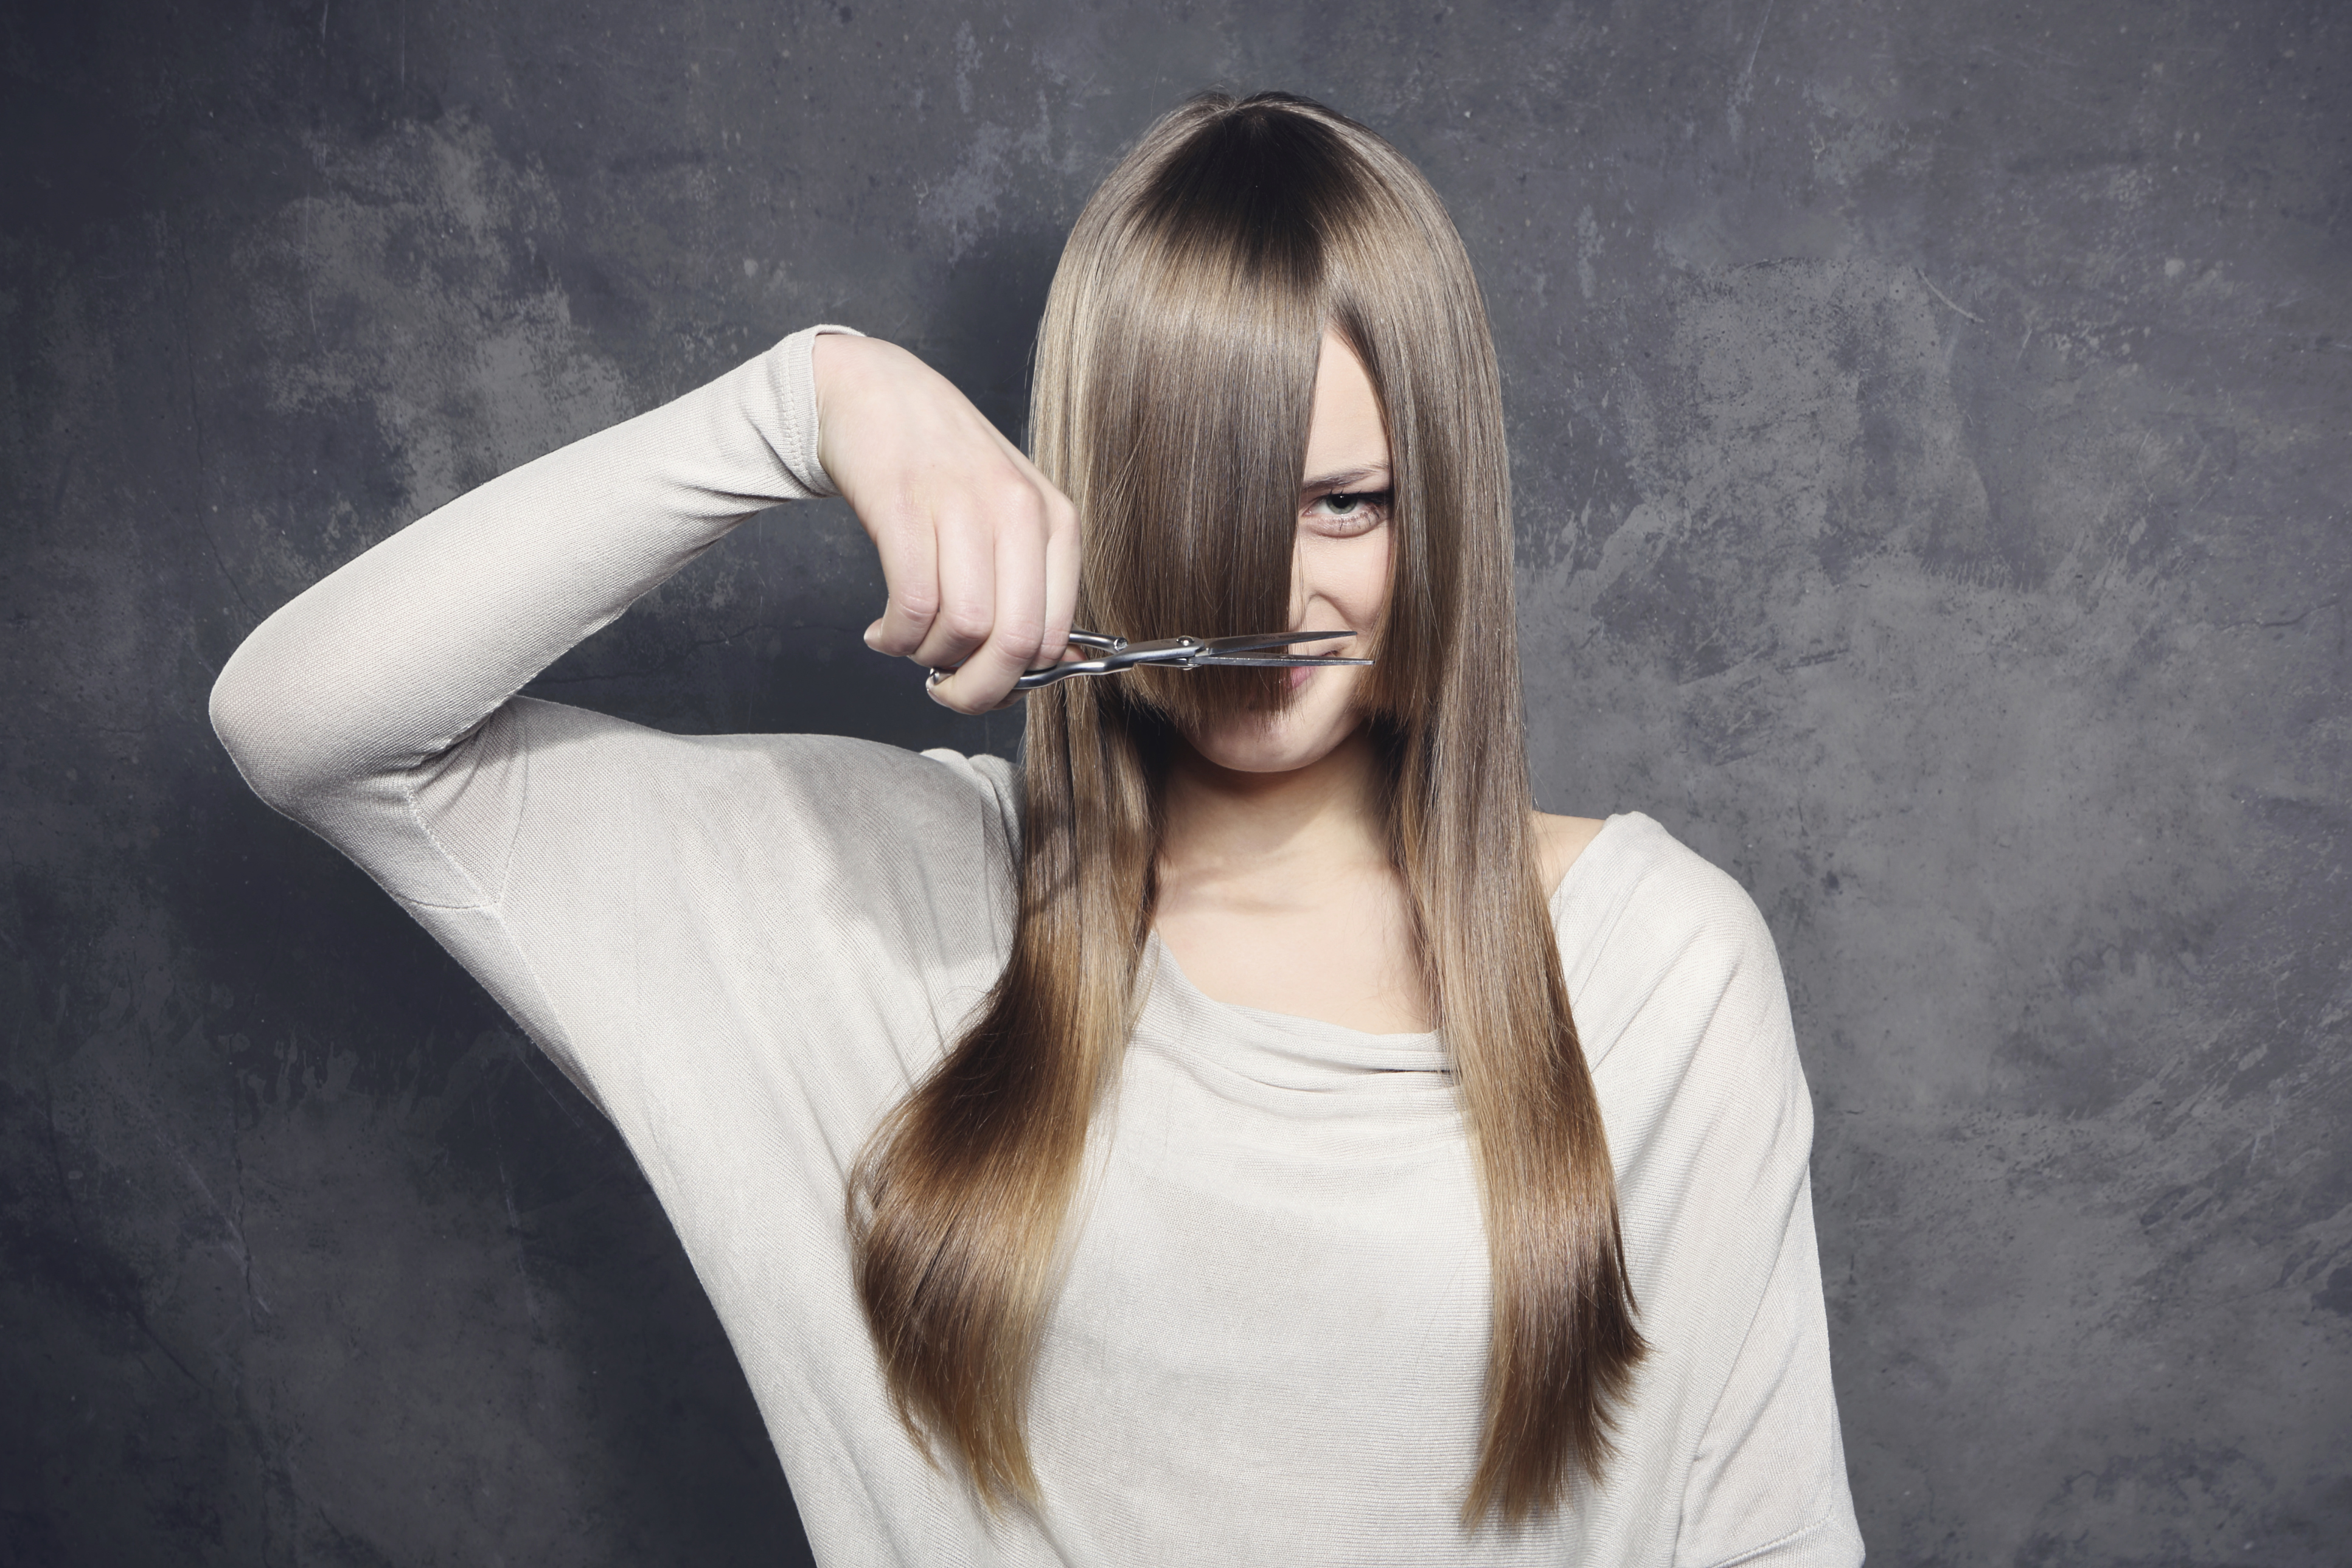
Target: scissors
x,y
1117,654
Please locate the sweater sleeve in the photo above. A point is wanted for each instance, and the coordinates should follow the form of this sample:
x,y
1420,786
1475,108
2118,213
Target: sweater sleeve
x,y
1767,1485
1767,1480
583,869
340,705
1710,1126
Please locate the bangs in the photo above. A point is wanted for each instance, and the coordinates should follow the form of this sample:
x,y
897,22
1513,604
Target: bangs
x,y
1197,396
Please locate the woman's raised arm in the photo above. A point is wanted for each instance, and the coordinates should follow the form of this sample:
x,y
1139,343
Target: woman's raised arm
x,y
582,868
335,702
392,660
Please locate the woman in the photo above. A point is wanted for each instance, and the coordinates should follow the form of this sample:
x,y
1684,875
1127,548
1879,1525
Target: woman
x,y
1183,1150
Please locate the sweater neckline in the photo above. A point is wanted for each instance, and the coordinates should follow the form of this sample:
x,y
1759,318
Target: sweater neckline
x,y
1291,1051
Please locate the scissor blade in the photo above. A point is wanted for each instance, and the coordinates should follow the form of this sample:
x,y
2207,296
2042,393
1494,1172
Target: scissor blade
x,y
1267,661
1269,640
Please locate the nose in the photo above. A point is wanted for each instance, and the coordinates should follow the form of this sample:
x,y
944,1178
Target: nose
x,y
1302,596
1301,590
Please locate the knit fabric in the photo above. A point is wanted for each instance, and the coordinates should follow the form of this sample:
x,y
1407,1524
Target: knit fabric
x,y
1269,1344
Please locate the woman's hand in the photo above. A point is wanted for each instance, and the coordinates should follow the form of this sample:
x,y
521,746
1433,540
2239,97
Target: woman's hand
x,y
979,552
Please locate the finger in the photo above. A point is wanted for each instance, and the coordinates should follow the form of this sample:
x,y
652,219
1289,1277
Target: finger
x,y
959,690
1062,557
1016,640
963,540
978,686
1017,607
910,568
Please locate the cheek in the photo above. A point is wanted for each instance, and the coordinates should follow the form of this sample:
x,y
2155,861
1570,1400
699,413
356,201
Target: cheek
x,y
1353,576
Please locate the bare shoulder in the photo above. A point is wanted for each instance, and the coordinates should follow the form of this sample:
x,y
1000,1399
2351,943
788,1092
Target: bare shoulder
x,y
1558,841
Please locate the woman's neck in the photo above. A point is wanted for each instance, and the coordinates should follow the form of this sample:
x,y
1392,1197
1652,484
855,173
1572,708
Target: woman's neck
x,y
1220,823
1276,892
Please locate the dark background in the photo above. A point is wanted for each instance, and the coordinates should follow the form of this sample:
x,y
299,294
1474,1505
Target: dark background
x,y
1934,438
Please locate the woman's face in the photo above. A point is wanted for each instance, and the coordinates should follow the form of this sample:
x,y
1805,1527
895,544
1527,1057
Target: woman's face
x,y
1339,576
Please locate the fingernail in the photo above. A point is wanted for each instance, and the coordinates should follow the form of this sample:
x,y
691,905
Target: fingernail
x,y
874,634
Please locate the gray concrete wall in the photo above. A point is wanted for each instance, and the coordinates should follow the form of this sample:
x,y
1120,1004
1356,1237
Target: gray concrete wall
x,y
1931,432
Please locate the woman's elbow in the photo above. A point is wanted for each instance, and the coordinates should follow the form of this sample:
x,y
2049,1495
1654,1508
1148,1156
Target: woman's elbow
x,y
259,721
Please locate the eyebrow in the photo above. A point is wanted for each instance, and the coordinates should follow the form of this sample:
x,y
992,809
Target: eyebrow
x,y
1346,478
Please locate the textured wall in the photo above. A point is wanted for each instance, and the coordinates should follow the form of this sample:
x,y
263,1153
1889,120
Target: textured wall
x,y
1932,437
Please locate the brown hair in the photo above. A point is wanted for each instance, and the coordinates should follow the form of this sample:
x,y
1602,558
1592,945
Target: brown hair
x,y
1174,385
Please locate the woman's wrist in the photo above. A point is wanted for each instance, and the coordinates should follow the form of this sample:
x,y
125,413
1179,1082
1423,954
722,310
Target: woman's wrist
x,y
844,368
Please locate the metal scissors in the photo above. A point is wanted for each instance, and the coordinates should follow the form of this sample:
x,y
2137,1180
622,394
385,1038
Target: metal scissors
x,y
1117,654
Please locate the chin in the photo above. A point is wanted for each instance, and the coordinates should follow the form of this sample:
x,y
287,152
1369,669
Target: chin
x,y
1304,733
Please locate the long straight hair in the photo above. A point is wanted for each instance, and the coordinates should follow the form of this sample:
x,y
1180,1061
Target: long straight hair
x,y
1173,393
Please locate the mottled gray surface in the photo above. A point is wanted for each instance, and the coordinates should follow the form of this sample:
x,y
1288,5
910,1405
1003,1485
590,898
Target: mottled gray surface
x,y
1932,429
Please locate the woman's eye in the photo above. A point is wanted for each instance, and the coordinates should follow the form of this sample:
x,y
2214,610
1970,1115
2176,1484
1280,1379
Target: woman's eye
x,y
1361,506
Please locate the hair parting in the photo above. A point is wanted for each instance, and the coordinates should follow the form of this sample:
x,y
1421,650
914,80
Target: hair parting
x,y
1173,392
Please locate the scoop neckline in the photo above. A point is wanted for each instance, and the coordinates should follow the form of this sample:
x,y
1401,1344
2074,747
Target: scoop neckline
x,y
1162,958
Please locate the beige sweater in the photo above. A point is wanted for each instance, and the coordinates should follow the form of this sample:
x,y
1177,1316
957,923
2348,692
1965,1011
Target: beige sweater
x,y
747,947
